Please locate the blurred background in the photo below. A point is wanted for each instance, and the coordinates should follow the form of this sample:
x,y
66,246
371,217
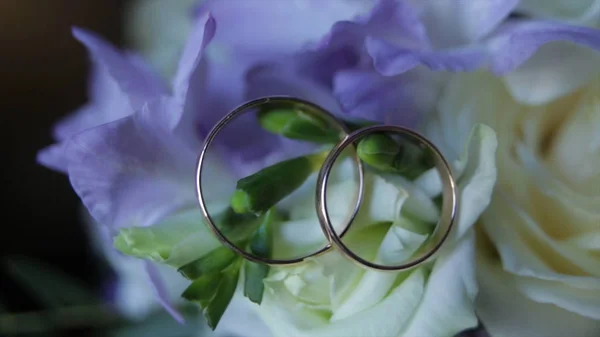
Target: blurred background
x,y
43,78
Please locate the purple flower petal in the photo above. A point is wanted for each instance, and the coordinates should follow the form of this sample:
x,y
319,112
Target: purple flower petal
x,y
108,101
399,99
139,83
402,35
53,157
517,41
133,171
192,67
262,28
161,292
390,59
241,42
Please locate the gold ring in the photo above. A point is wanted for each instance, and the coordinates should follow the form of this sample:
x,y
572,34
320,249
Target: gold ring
x,y
307,107
449,206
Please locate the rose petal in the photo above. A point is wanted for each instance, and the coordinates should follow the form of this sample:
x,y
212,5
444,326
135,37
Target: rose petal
x,y
448,304
584,302
397,307
396,247
498,297
478,178
539,80
475,178
526,250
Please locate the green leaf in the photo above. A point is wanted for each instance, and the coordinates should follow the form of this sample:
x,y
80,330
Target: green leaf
x,y
214,261
261,245
214,292
262,190
202,290
294,122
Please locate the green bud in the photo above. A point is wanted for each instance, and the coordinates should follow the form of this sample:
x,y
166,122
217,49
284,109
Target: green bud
x,y
214,261
214,291
176,241
295,123
262,190
261,245
384,153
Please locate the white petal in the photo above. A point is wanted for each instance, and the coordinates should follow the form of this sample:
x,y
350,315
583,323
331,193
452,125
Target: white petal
x,y
476,180
555,70
504,311
526,249
382,320
448,303
397,246
584,302
476,184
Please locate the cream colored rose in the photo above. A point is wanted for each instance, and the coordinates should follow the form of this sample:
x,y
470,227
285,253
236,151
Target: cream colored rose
x,y
539,255
330,296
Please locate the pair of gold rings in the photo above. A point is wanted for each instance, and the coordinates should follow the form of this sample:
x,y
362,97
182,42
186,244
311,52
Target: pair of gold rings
x,y
427,250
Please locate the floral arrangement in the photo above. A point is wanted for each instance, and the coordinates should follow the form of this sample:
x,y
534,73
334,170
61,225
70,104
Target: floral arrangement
x,y
508,90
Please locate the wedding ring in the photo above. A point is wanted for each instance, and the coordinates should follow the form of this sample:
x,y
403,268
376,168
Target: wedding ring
x,y
307,107
448,211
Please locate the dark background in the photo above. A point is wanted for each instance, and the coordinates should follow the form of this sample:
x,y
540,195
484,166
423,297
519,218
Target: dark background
x,y
43,73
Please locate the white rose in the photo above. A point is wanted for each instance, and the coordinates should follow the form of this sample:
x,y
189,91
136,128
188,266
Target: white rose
x,y
539,258
583,12
330,296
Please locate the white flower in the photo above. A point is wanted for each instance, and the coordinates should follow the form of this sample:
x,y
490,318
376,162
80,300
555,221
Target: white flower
x,y
539,258
330,296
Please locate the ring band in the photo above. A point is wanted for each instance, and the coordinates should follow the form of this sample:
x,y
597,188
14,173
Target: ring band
x,y
449,206
309,108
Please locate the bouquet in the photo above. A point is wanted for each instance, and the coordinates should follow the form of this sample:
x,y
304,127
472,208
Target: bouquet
x,y
507,90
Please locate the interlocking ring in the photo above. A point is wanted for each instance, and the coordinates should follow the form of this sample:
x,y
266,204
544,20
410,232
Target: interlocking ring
x,y
307,107
445,222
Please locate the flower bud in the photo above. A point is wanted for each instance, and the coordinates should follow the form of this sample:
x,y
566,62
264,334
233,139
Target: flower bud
x,y
294,123
260,191
384,153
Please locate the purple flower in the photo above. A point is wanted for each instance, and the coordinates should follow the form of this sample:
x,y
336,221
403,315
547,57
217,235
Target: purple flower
x,y
403,50
130,152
